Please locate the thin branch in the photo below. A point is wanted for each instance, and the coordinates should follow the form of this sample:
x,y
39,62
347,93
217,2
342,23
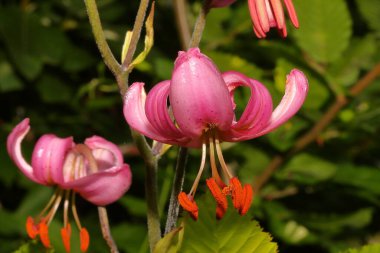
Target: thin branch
x,y
176,189
182,22
100,39
199,26
105,227
313,133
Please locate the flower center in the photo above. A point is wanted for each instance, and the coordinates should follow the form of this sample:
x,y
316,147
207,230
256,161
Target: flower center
x,y
75,167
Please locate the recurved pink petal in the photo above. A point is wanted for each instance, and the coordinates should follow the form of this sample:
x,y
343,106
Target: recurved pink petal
x,y
157,111
104,187
106,153
295,93
198,95
14,149
135,115
48,157
257,112
278,13
261,6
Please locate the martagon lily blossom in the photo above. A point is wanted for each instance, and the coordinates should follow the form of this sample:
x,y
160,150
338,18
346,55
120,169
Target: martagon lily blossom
x,y
95,170
269,13
201,114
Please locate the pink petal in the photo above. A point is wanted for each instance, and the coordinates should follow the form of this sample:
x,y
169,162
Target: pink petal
x,y
104,187
295,93
278,12
48,157
198,95
135,115
292,12
106,153
255,19
157,111
263,15
14,149
257,112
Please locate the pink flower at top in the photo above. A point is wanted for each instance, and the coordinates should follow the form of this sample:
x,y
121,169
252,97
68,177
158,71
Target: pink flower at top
x,y
94,169
269,13
202,113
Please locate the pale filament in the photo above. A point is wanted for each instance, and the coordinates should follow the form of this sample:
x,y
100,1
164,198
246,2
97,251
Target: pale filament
x,y
50,203
214,169
54,209
74,210
66,209
221,159
200,171
86,152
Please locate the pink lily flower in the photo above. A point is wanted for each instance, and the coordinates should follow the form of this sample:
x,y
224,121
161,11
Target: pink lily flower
x,y
94,169
269,13
202,114
220,3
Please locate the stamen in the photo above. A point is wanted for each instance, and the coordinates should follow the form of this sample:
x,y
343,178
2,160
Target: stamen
x,y
44,233
31,228
56,194
214,169
220,198
221,158
54,208
74,210
84,240
247,200
66,235
200,171
188,204
66,209
237,193
87,153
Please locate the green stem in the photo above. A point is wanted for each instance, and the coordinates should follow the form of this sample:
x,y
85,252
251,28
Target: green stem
x,y
199,26
151,189
176,189
100,39
182,23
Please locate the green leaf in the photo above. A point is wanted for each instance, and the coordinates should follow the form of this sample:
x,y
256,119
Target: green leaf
x,y
8,80
365,177
33,246
168,243
358,55
371,248
370,10
53,90
233,233
325,28
308,169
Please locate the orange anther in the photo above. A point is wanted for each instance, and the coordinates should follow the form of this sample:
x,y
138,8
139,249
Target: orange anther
x,y
31,228
188,204
237,193
66,235
221,200
247,200
84,240
44,234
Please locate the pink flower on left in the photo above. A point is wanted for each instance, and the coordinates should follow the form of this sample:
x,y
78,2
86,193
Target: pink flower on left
x,y
94,169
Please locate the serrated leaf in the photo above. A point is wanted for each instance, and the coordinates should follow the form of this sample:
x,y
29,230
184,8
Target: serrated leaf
x,y
371,248
325,28
233,233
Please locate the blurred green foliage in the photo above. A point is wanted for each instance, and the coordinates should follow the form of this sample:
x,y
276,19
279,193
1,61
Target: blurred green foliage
x,y
324,199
